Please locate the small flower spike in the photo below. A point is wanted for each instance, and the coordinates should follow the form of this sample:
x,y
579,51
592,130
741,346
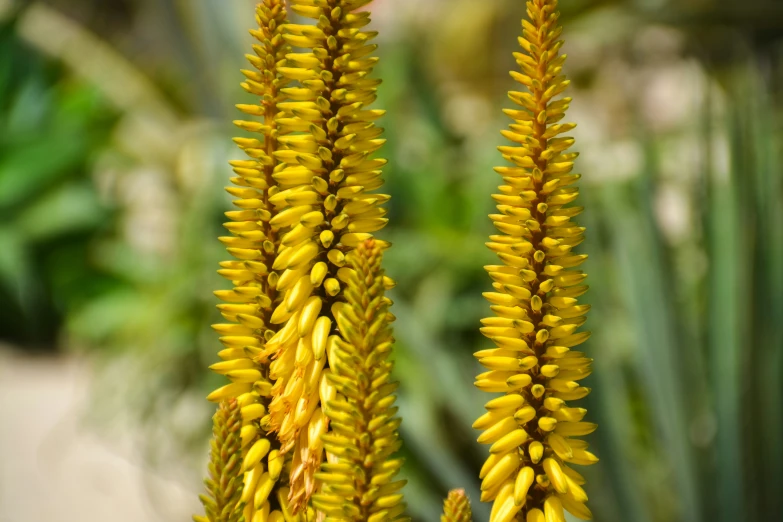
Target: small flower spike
x,y
224,484
359,478
456,507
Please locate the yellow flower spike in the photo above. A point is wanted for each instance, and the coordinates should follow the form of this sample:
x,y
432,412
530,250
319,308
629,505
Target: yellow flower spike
x,y
255,243
224,484
323,209
359,484
456,507
531,428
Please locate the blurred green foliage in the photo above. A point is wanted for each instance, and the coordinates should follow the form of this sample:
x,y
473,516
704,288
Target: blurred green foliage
x,y
50,213
115,132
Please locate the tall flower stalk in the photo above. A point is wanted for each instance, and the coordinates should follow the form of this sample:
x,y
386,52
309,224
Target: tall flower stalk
x,y
323,204
305,204
254,242
359,479
531,428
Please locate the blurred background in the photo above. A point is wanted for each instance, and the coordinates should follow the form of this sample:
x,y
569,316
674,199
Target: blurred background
x,y
115,126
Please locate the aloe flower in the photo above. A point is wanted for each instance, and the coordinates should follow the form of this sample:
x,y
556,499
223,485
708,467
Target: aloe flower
x,y
254,242
456,507
358,481
224,483
323,209
531,428
304,204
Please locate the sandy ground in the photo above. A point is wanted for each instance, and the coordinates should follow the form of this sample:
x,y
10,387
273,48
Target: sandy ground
x,y
55,469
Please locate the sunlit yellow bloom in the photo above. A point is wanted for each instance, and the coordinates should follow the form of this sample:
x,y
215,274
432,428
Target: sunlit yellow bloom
x,y
224,483
254,242
323,209
531,429
358,479
456,507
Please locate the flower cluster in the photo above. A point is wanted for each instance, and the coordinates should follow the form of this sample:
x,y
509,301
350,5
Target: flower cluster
x,y
253,243
307,429
531,428
305,203
324,202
